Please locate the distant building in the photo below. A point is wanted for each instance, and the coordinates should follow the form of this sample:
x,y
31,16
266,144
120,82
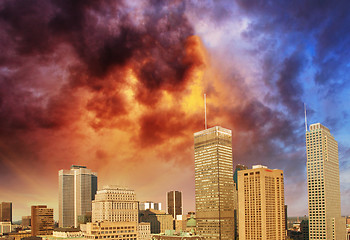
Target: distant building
x,y
19,235
5,227
174,203
159,220
239,167
110,230
304,229
325,221
115,204
6,212
42,220
77,188
150,205
261,204
144,231
214,186
67,233
26,221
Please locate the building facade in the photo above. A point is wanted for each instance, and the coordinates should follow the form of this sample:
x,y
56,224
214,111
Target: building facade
x,y
174,203
42,220
159,220
115,204
77,188
261,204
110,230
26,221
6,212
325,221
150,205
144,231
214,187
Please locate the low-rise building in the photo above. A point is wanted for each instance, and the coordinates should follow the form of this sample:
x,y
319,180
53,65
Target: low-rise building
x,y
110,230
144,231
5,227
159,220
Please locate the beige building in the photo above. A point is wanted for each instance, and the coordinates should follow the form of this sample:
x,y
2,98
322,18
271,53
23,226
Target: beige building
x,y
325,221
42,220
115,204
144,231
77,188
159,220
261,204
214,185
111,230
5,227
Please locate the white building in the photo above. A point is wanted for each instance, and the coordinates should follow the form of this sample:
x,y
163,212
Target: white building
x,y
150,205
115,204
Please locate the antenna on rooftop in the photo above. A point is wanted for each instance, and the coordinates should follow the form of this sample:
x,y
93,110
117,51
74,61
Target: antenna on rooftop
x,y
305,118
205,110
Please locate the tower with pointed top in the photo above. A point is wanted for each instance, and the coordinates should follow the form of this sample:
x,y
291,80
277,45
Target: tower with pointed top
x,y
325,221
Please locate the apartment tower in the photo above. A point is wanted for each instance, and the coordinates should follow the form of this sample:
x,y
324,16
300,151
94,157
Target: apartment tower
x,y
214,187
325,221
174,203
261,204
77,189
115,204
42,220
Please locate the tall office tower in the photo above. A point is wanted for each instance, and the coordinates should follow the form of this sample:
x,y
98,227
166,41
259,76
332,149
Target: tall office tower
x,y
77,189
6,212
42,220
174,203
26,221
115,204
325,221
261,204
214,185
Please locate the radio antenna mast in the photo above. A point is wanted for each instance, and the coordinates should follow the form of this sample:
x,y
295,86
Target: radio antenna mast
x,y
205,110
305,118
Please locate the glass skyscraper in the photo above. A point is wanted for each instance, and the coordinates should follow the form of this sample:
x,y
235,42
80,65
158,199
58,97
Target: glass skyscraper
x,y
77,189
214,185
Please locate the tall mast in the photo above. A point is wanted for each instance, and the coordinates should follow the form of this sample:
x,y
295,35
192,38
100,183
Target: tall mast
x,y
205,110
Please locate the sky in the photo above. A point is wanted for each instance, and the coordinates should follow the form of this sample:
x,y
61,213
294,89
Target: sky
x,y
118,86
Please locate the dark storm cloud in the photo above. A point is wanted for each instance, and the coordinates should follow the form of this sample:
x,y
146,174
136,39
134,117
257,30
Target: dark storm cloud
x,y
105,37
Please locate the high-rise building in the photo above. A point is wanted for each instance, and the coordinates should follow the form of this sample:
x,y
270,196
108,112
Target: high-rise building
x,y
214,187
261,204
42,220
150,205
325,221
115,204
6,212
77,188
174,203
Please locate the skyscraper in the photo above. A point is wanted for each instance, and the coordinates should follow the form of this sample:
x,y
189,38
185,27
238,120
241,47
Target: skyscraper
x,y
325,221
174,203
6,212
261,204
115,204
77,188
214,183
42,220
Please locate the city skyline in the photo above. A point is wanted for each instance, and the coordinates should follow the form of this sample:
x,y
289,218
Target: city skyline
x,y
118,87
